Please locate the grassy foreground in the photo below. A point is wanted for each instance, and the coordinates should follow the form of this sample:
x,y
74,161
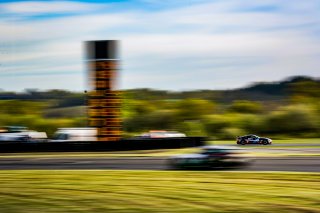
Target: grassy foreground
x,y
158,191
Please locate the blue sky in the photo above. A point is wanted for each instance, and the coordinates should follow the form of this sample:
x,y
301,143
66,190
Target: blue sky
x,y
168,44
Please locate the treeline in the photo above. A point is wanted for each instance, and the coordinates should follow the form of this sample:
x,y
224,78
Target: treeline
x,y
38,116
198,117
283,109
261,91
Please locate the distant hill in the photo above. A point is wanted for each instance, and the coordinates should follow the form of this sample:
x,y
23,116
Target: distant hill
x,y
277,88
260,91
265,91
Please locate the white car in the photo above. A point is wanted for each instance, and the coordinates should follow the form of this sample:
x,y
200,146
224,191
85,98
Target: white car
x,y
24,136
162,134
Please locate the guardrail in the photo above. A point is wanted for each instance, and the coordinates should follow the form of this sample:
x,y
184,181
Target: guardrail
x,y
121,145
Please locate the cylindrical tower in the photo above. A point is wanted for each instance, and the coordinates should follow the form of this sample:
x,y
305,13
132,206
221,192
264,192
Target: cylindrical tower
x,y
103,99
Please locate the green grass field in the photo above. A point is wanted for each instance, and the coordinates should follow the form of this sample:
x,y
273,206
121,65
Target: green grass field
x,y
158,191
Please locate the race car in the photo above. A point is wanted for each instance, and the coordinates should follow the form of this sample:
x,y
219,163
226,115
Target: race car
x,y
253,139
211,157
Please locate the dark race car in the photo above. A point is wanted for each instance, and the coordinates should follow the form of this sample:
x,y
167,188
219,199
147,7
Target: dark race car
x,y
253,139
211,157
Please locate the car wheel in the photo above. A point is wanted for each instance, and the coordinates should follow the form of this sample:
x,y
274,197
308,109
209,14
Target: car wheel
x,y
242,142
265,143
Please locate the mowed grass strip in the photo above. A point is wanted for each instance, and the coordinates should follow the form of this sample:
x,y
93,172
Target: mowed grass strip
x,y
158,191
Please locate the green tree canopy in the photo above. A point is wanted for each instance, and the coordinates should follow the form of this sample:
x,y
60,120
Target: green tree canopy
x,y
244,106
194,109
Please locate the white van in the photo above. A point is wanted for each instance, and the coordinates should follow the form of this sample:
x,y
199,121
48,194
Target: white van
x,y
75,134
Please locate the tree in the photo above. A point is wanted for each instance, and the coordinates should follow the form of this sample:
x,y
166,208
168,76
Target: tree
x,y
305,91
194,109
244,106
192,128
295,119
15,107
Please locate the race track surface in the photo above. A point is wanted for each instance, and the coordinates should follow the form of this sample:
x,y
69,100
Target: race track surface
x,y
297,164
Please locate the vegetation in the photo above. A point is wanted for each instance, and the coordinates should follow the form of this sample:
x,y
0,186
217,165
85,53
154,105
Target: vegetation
x,y
282,109
158,191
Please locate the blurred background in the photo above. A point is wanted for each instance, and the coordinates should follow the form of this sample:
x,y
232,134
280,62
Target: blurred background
x,y
214,68
240,67
289,108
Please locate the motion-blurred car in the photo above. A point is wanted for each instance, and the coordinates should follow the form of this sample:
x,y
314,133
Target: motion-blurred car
x,y
20,133
211,157
75,134
253,139
14,137
162,134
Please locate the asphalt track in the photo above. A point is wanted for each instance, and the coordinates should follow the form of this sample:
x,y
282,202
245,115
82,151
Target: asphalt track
x,y
275,144
296,164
